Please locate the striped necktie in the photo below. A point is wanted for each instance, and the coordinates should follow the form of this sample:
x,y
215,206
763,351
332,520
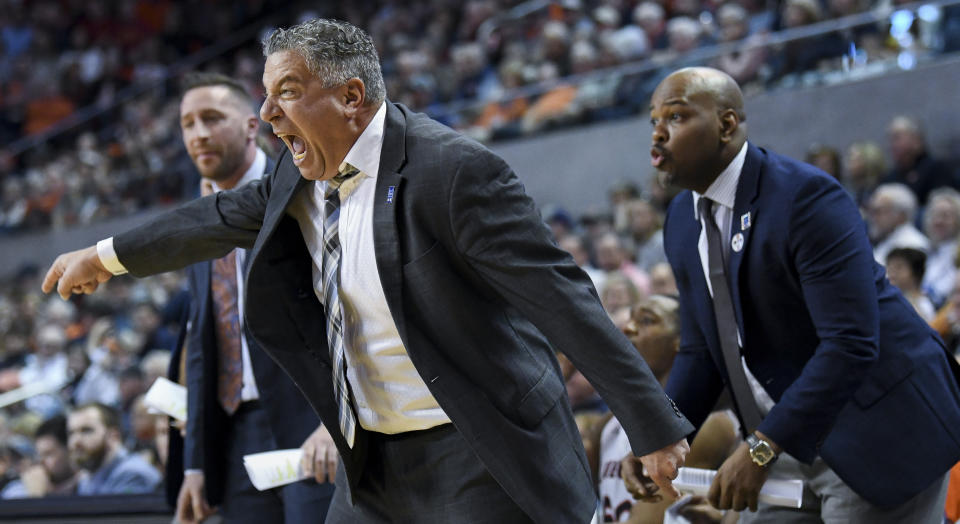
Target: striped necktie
x,y
332,305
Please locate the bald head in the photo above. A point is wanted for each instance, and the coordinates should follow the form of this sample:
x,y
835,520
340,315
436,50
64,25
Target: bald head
x,y
713,83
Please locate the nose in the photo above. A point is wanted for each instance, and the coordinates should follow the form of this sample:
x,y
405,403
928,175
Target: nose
x,y
269,110
659,134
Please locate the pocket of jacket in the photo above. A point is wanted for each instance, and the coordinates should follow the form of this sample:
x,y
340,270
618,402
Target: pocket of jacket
x,y
883,378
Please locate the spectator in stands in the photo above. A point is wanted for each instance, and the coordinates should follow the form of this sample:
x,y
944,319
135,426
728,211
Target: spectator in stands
x,y
646,232
941,224
90,381
744,64
576,246
662,281
800,56
618,292
46,367
905,268
650,16
913,165
826,158
654,329
96,447
683,35
54,473
890,220
863,166
612,256
146,322
553,107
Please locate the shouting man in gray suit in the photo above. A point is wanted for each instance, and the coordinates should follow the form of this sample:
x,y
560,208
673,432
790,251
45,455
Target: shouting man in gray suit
x,y
407,284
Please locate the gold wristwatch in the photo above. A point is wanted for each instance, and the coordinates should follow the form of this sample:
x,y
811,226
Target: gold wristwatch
x,y
760,451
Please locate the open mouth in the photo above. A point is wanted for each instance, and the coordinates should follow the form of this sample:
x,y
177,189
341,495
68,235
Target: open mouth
x,y
657,157
296,145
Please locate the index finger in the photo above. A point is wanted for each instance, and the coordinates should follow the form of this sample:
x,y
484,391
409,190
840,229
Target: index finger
x,y
713,495
52,276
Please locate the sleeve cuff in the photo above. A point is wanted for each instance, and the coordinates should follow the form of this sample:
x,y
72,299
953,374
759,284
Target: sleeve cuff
x,y
108,257
193,472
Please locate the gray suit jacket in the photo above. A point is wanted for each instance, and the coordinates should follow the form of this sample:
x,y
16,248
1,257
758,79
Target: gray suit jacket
x,y
480,294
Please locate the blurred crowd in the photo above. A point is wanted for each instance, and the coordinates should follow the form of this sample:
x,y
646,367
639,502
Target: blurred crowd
x,y
494,69
84,366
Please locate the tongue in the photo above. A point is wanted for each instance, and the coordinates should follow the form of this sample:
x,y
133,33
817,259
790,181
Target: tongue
x,y
297,145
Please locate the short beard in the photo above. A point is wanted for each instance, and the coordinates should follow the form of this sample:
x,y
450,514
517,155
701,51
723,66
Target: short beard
x,y
94,459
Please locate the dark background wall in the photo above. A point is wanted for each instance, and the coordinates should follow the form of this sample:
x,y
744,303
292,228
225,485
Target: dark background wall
x,y
576,168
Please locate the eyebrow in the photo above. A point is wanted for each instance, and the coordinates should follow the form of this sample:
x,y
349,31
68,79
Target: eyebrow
x,y
285,78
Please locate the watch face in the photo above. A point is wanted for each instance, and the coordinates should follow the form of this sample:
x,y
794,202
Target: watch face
x,y
762,453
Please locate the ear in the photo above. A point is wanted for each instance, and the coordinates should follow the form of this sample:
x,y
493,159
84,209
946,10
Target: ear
x,y
729,122
252,126
354,95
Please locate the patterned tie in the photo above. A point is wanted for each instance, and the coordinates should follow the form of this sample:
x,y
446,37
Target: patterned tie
x,y
227,321
727,321
331,300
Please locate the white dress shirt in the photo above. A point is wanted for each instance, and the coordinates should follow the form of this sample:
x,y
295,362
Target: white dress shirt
x,y
723,192
389,396
108,256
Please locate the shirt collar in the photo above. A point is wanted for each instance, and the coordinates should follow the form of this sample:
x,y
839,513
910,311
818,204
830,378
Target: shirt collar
x,y
254,172
723,190
363,155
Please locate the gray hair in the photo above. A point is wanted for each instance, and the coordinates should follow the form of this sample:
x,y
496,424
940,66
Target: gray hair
x,y
900,196
335,51
946,194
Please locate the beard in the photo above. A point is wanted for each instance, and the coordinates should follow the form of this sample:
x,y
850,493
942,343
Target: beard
x,y
92,459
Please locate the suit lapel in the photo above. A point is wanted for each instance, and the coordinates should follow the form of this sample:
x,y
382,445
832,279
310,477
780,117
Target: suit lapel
x,y
387,201
287,182
744,215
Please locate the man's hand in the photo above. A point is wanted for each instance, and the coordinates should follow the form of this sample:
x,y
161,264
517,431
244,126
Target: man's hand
x,y
77,271
738,482
192,503
320,456
36,481
636,480
661,467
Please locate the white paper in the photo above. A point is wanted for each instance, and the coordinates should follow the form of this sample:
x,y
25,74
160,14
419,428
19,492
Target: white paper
x,y
167,397
274,468
778,492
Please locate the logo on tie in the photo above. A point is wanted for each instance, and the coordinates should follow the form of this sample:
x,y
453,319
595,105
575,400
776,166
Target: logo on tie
x,y
390,192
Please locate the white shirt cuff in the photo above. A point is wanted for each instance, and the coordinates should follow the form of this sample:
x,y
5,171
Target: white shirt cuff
x,y
193,472
108,257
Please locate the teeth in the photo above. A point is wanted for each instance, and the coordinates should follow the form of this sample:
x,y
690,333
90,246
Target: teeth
x,y
300,155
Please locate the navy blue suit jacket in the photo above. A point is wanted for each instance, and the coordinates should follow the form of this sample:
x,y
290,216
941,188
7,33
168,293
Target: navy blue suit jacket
x,y
858,378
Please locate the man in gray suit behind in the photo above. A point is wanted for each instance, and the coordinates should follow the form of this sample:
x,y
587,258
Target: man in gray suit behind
x,y
404,280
